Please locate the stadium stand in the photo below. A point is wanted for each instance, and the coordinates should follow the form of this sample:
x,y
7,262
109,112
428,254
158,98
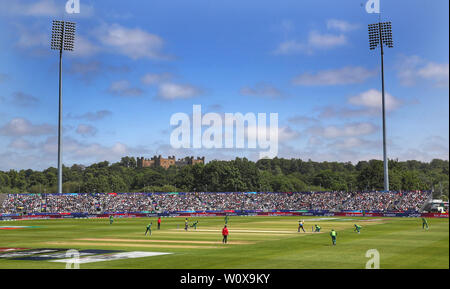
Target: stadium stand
x,y
174,202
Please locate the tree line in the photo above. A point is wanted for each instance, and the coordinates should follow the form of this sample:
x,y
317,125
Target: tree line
x,y
274,175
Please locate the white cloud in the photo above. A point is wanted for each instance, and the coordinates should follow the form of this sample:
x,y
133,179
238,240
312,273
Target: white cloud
x,y
356,149
261,90
21,144
301,119
134,43
31,36
123,88
315,141
45,8
412,69
285,133
77,152
286,26
345,112
88,71
154,78
22,99
315,41
170,91
37,37
84,47
320,152
368,104
326,41
349,143
42,8
426,149
348,130
23,154
92,116
290,47
373,99
341,25
437,146
438,72
406,68
23,127
345,75
86,130
14,160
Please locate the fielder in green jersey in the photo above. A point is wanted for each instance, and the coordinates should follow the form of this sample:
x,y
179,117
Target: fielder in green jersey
x,y
195,225
149,229
317,228
333,235
357,228
111,219
424,224
226,220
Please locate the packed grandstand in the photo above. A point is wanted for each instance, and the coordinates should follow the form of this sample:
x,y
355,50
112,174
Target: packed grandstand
x,y
176,202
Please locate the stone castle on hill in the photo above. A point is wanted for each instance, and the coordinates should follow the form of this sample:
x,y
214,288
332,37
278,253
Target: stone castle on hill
x,y
158,161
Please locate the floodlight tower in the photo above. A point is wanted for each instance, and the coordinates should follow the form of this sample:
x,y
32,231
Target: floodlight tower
x,y
380,34
63,38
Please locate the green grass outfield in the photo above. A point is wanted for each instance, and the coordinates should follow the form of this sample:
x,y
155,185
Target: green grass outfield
x,y
254,242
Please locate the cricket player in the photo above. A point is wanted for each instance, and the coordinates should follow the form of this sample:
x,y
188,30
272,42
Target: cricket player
x,y
225,234
317,228
357,228
195,225
111,219
300,225
333,235
226,219
424,223
149,229
186,224
159,223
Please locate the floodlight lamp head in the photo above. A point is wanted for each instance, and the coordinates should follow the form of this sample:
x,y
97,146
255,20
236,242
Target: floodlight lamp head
x,y
63,35
380,33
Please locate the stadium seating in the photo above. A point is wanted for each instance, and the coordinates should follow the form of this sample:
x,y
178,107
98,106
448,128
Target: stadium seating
x,y
171,202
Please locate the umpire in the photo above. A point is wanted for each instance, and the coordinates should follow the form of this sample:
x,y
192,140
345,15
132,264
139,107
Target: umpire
x,y
225,234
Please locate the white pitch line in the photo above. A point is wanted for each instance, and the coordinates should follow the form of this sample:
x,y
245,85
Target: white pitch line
x,y
251,231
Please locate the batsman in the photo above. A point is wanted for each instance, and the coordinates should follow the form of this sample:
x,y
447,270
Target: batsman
x,y
300,226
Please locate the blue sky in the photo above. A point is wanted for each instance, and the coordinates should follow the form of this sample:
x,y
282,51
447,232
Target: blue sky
x,y
136,63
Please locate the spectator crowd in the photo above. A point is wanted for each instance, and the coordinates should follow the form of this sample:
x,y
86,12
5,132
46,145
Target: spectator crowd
x,y
171,202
